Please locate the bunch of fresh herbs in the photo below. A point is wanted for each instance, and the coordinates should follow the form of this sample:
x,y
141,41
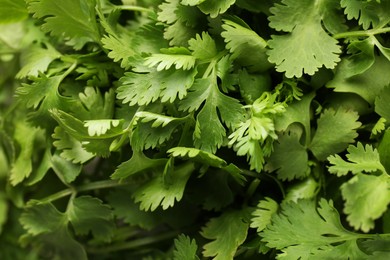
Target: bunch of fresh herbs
x,y
194,129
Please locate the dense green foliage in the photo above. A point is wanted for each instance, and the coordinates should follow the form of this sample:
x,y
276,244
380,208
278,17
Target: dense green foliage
x,y
194,129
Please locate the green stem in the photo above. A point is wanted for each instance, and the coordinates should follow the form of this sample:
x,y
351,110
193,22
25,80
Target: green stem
x,y
69,70
134,243
366,33
134,8
57,196
252,188
99,185
86,187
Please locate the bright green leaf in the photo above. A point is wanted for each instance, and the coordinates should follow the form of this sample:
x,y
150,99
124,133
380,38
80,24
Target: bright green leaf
x,y
228,232
185,248
342,124
12,11
261,217
368,84
214,8
246,46
137,163
366,199
367,12
78,25
382,103
155,192
360,159
289,167
302,231
179,57
89,214
306,47
203,47
143,89
37,59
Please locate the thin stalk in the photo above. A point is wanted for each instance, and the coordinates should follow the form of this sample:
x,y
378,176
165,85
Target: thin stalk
x,y
134,8
134,243
86,187
99,185
366,33
57,196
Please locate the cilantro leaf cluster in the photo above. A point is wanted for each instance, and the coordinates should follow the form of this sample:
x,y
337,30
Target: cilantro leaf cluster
x,y
194,129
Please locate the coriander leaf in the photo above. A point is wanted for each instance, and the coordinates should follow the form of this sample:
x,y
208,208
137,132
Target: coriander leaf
x,y
298,111
89,214
181,21
313,47
89,129
185,248
379,127
142,89
254,136
159,120
306,189
147,134
97,145
42,95
179,34
59,244
216,192
25,136
37,59
366,199
252,86
40,218
372,77
378,247
214,8
65,170
137,163
197,155
261,217
103,127
126,210
73,19
203,47
209,131
155,192
12,11
302,231
48,232
246,46
206,158
289,167
361,58
324,144
382,103
120,49
40,172
94,104
228,232
368,13
360,159
179,56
